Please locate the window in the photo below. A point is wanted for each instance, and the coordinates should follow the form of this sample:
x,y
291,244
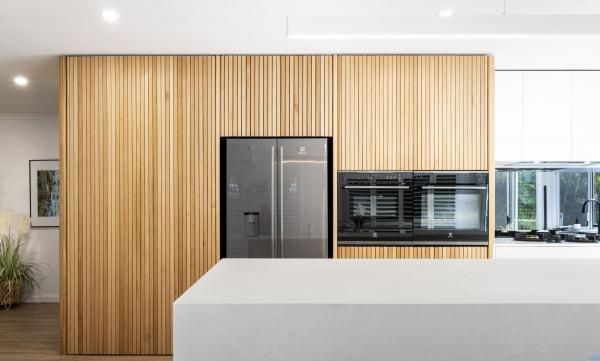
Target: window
x,y
534,199
574,190
526,200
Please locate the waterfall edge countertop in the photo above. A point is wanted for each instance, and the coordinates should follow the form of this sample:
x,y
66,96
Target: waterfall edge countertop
x,y
389,310
336,281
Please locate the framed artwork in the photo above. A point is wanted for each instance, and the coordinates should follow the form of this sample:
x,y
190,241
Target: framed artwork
x,y
44,180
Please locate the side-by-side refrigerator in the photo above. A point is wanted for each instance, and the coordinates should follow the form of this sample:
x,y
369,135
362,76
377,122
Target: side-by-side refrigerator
x,y
276,198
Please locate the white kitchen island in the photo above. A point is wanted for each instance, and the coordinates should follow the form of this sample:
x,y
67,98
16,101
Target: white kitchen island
x,y
442,310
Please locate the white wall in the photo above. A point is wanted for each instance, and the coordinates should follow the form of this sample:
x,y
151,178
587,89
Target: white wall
x,y
25,137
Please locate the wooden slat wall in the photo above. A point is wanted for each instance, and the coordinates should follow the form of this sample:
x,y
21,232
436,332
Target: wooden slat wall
x,y
140,162
193,150
377,112
62,116
491,156
134,238
412,252
452,117
276,95
413,112
139,149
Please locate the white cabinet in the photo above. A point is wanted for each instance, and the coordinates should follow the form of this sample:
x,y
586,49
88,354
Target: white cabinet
x,y
509,116
547,116
586,115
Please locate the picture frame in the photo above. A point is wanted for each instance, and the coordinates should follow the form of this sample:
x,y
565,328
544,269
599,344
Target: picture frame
x,y
44,183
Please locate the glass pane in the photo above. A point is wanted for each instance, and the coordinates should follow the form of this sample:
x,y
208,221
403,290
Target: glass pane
x,y
452,209
360,202
573,192
387,208
502,200
469,210
526,200
444,209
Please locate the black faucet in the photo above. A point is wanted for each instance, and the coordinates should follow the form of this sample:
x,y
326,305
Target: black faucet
x,y
597,206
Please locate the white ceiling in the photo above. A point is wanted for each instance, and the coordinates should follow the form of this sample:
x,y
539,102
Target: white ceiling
x,y
34,32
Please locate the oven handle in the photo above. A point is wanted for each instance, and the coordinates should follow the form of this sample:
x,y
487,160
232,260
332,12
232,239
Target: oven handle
x,y
376,187
455,187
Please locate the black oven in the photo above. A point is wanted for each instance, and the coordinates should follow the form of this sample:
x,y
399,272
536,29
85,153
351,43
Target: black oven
x,y
413,208
375,208
450,208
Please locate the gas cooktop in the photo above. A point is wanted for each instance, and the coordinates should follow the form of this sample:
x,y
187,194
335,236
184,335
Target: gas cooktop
x,y
557,236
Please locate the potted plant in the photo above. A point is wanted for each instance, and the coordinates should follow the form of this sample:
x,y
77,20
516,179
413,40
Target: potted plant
x,y
17,272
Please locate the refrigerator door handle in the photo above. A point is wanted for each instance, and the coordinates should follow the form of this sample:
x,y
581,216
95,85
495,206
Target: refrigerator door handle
x,y
280,161
273,204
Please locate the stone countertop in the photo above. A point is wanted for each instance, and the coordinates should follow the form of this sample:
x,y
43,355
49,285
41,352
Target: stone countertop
x,y
337,281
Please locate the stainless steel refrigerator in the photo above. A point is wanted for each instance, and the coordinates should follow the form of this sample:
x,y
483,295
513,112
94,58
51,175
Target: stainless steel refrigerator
x,y
276,197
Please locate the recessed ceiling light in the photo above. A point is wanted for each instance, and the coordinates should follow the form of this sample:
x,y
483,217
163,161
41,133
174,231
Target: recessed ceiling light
x,y
445,13
21,80
110,15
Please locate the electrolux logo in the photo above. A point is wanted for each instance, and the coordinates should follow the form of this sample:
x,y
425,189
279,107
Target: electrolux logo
x,y
302,150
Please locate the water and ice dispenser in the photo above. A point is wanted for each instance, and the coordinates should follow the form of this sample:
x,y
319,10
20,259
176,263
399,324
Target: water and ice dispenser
x,y
251,220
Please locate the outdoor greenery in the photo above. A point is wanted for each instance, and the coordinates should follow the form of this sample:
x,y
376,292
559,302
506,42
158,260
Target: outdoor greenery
x,y
526,200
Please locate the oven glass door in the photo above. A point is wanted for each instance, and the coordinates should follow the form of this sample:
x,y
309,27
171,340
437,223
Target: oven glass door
x,y
451,212
378,207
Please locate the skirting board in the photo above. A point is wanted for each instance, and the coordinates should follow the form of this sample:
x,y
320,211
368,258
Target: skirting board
x,y
45,298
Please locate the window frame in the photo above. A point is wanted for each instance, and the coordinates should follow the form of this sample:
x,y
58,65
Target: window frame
x,y
550,179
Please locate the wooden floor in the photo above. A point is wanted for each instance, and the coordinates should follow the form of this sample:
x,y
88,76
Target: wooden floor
x,y
29,332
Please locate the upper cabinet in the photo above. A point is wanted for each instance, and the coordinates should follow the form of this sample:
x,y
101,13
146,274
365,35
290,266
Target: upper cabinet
x,y
547,115
413,112
586,115
509,115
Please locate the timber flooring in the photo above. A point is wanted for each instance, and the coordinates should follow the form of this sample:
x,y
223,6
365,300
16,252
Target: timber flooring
x,y
30,332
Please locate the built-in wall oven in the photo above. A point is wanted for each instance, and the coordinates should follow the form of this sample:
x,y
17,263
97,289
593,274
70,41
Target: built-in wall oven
x,y
412,208
450,208
375,208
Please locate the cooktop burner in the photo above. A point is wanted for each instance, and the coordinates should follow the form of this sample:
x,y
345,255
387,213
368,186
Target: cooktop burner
x,y
557,236
577,237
